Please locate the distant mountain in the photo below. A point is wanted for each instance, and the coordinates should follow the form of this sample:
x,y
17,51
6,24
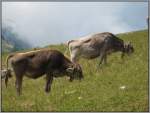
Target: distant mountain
x,y
6,46
11,41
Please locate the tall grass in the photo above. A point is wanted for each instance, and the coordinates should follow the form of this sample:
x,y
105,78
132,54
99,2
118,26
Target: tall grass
x,y
100,90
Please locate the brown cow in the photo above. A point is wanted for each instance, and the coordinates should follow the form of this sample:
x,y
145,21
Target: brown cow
x,y
34,64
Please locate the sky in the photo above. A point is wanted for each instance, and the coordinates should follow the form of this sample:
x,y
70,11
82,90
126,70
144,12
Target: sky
x,y
45,23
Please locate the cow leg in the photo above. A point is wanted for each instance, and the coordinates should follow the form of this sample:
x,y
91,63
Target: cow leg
x,y
19,72
101,59
122,55
71,79
74,55
103,54
49,80
105,59
19,84
6,80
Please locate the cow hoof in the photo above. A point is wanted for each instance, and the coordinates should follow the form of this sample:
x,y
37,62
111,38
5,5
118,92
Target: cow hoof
x,y
70,80
18,94
47,90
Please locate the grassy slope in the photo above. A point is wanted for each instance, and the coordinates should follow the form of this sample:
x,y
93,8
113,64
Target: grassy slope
x,y
99,91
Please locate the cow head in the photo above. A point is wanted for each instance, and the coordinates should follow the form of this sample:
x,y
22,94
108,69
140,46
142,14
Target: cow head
x,y
128,49
75,72
5,73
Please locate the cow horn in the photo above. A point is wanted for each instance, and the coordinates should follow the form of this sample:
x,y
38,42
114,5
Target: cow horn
x,y
125,45
70,70
130,43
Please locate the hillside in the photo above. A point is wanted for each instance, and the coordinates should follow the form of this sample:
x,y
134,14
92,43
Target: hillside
x,y
11,41
6,46
121,85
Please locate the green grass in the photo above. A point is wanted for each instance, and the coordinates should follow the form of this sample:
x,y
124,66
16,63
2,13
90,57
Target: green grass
x,y
98,91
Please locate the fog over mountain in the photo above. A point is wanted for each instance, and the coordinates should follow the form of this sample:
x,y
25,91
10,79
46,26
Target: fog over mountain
x,y
44,23
11,41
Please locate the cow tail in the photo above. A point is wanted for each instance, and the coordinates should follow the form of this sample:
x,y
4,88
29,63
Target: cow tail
x,y
66,50
7,60
67,44
8,74
70,42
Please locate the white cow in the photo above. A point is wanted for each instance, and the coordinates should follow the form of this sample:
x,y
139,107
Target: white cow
x,y
97,45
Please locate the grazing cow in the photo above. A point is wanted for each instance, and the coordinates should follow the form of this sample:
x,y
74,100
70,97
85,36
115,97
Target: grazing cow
x,y
34,64
97,45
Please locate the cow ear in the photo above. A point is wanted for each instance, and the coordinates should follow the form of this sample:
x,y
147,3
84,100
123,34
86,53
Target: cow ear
x,y
70,70
129,44
125,45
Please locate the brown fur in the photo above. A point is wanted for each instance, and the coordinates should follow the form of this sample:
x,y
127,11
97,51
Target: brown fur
x,y
34,64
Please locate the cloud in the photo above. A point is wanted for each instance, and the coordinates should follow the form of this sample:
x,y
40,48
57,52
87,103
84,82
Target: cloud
x,y
44,23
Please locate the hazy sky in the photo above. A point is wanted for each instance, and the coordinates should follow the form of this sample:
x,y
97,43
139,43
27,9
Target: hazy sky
x,y
44,23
